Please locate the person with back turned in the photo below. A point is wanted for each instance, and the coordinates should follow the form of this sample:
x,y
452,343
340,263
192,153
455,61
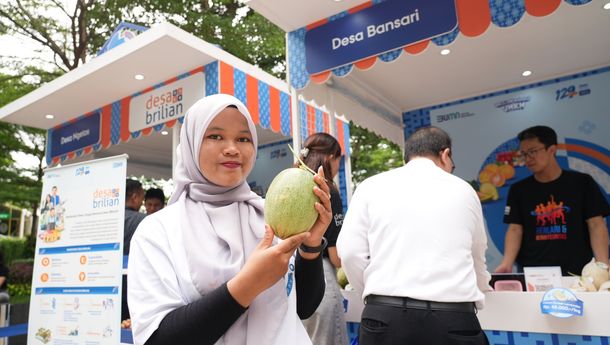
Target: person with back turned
x,y
413,243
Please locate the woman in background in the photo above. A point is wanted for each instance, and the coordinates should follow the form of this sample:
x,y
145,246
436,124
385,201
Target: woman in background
x,y
327,325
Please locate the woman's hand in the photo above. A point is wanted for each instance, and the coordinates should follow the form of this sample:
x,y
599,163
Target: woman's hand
x,y
325,215
266,265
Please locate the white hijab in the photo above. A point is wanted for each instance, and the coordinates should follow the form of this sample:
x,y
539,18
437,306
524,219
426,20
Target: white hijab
x,y
216,255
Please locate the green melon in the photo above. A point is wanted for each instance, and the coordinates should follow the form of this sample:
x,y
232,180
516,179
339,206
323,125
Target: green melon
x,y
342,278
289,203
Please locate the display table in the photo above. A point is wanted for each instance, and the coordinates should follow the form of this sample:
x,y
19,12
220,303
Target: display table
x,y
511,317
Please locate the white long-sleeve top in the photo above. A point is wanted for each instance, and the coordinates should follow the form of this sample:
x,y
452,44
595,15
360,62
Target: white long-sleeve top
x,y
416,231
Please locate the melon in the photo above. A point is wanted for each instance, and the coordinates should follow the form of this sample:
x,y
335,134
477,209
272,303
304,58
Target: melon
x,y
290,202
342,278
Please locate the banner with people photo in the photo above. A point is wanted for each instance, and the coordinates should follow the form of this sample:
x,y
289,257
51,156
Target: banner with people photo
x,y
76,284
485,146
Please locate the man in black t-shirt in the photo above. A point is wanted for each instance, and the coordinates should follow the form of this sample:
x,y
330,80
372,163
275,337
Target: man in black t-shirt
x,y
555,217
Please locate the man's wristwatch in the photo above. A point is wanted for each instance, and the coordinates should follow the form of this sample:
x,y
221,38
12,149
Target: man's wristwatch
x,y
313,250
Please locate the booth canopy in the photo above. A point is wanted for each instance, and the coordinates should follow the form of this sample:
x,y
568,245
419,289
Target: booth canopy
x,y
493,43
100,97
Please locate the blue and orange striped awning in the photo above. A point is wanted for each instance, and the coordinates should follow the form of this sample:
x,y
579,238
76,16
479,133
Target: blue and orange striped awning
x,y
474,18
269,106
313,120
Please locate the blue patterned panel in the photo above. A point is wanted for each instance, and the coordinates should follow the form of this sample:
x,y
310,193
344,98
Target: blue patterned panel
x,y
343,70
391,55
337,16
285,114
319,120
413,120
158,127
577,2
506,13
343,184
115,123
48,150
135,134
296,59
303,121
263,104
447,38
211,79
525,338
239,85
348,151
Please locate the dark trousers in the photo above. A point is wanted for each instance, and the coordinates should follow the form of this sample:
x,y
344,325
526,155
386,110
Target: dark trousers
x,y
396,325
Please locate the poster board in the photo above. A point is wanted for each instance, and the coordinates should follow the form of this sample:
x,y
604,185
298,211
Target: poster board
x,y
76,284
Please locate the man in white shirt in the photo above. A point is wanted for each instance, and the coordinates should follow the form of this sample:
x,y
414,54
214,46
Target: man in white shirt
x,y
413,242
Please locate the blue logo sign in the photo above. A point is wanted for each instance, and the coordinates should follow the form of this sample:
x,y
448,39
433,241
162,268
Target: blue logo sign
x,y
513,104
74,136
572,91
123,33
377,29
561,303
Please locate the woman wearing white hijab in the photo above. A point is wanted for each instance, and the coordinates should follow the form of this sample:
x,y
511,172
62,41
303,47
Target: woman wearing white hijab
x,y
206,269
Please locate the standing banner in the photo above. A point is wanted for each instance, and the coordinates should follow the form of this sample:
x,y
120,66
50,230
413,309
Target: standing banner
x,y
76,284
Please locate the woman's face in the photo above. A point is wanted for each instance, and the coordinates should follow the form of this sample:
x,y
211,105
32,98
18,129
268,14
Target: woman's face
x,y
226,155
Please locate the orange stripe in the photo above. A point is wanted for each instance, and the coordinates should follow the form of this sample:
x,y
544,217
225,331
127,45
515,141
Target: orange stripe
x,y
71,155
226,79
586,151
367,63
316,24
87,150
106,125
170,123
274,108
541,8
55,160
340,135
325,122
197,70
169,81
148,89
146,131
417,47
125,119
252,98
474,16
320,77
311,118
360,7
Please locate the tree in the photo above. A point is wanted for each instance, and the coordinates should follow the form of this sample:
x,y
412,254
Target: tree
x,y
371,154
73,35
20,185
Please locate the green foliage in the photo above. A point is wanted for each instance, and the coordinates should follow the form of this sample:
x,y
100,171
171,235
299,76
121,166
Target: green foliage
x,y
77,30
371,154
12,249
20,271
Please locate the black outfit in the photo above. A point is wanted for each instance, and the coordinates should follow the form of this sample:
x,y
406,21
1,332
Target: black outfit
x,y
4,273
553,216
4,298
422,322
332,233
132,220
218,310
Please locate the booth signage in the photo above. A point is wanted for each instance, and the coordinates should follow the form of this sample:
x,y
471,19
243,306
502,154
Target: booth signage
x,y
377,29
561,303
76,282
165,103
77,135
